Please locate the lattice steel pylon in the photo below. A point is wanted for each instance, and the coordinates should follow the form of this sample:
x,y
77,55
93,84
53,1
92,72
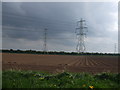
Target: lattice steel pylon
x,y
45,40
81,34
115,48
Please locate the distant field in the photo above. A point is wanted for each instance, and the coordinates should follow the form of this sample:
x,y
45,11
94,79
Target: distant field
x,y
60,63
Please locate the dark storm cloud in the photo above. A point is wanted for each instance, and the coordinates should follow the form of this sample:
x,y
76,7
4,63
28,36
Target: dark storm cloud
x,y
57,17
39,16
29,19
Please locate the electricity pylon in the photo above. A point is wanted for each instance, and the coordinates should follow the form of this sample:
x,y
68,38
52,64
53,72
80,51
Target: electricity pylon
x,y
45,41
115,48
81,33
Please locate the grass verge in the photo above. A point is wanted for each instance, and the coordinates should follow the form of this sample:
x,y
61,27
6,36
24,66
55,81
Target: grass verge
x,y
32,79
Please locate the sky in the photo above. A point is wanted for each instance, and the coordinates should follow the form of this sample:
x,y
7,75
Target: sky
x,y
23,25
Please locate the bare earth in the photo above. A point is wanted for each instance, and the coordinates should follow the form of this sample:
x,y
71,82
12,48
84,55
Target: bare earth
x,y
59,63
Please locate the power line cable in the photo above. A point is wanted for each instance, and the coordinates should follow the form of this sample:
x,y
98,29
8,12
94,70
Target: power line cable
x,y
37,19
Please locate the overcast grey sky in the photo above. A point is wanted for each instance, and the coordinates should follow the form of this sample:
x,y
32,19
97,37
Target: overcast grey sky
x,y
24,24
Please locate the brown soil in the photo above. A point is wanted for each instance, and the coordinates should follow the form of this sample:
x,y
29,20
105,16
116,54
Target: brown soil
x,y
60,63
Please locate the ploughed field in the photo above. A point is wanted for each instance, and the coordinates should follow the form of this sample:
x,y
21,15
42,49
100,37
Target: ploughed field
x,y
60,63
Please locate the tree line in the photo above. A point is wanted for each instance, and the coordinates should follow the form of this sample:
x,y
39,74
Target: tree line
x,y
55,52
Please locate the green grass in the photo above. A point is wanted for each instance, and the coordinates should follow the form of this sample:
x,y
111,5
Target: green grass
x,y
32,79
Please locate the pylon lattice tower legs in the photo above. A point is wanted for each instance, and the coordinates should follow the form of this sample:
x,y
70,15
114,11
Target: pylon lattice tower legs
x,y
81,45
80,33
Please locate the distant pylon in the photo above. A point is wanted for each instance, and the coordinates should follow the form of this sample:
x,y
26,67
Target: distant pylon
x,y
45,40
81,33
115,48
